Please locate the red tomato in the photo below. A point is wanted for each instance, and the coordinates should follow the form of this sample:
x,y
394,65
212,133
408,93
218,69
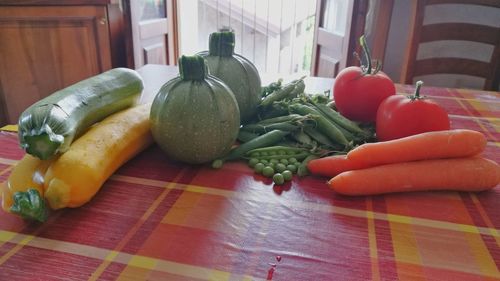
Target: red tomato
x,y
401,116
358,94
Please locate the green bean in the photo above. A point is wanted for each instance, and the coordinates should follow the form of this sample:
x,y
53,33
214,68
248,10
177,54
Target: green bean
x,y
275,110
278,94
245,136
339,119
271,87
264,140
301,137
279,119
297,156
256,128
323,124
299,89
302,169
319,137
275,148
289,90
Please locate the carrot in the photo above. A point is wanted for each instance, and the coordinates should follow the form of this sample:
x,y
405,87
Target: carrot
x,y
331,166
430,145
460,174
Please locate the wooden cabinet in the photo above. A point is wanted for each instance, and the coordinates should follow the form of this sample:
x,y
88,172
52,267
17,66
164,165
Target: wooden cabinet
x,y
44,48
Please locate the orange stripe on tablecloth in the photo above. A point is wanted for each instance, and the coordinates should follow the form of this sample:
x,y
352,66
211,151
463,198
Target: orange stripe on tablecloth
x,y
133,230
316,206
372,239
459,101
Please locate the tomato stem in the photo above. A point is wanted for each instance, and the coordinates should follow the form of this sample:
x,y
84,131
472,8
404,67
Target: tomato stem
x,y
416,95
366,51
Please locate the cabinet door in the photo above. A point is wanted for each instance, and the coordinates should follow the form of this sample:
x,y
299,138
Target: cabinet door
x,y
44,49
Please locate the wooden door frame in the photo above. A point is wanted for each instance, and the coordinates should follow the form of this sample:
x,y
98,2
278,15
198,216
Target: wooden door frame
x,y
381,19
172,35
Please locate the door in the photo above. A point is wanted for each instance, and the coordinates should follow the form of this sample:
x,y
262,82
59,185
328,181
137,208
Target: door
x,y
339,23
150,29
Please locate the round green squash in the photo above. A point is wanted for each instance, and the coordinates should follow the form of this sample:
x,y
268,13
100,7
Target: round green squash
x,y
236,71
194,117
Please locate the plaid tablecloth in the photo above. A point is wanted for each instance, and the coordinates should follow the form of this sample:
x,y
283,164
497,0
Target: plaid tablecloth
x,y
159,220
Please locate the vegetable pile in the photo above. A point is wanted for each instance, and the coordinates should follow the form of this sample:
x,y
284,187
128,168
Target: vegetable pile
x,y
438,160
50,125
291,128
77,137
237,72
194,117
69,170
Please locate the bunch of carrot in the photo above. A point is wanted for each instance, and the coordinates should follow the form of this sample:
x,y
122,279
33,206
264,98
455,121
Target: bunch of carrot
x,y
440,160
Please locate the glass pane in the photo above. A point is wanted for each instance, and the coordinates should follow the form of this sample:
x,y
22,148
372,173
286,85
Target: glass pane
x,y
152,9
335,16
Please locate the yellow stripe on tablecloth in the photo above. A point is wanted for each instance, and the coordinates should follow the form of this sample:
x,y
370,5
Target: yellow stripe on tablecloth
x,y
138,261
143,262
19,240
6,161
405,247
324,208
372,239
483,258
9,128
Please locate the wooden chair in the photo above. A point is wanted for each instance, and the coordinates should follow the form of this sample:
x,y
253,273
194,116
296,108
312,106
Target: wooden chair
x,y
454,43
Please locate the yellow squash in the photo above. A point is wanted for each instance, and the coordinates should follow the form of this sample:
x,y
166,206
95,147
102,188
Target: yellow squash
x,y
27,174
76,176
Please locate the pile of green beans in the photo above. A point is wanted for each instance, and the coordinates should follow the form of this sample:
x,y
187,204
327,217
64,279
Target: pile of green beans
x,y
311,120
293,127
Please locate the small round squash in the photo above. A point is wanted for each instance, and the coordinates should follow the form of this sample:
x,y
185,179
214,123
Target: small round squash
x,y
239,74
194,117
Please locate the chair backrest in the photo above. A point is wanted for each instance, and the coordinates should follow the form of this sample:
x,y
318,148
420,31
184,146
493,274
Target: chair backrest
x,y
454,43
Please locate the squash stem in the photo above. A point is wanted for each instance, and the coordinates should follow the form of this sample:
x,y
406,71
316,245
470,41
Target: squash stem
x,y
43,144
221,43
29,205
192,68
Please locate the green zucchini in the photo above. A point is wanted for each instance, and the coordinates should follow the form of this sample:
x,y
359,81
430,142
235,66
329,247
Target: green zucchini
x,y
50,125
236,71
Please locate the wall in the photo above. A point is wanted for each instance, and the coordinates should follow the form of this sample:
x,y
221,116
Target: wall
x,y
397,39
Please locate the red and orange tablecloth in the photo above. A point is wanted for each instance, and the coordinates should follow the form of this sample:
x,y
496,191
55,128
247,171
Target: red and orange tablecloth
x,y
160,220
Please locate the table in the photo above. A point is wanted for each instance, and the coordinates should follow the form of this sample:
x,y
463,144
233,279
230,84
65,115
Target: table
x,y
155,219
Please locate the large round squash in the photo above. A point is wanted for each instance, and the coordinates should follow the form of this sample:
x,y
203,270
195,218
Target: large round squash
x,y
236,71
194,117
